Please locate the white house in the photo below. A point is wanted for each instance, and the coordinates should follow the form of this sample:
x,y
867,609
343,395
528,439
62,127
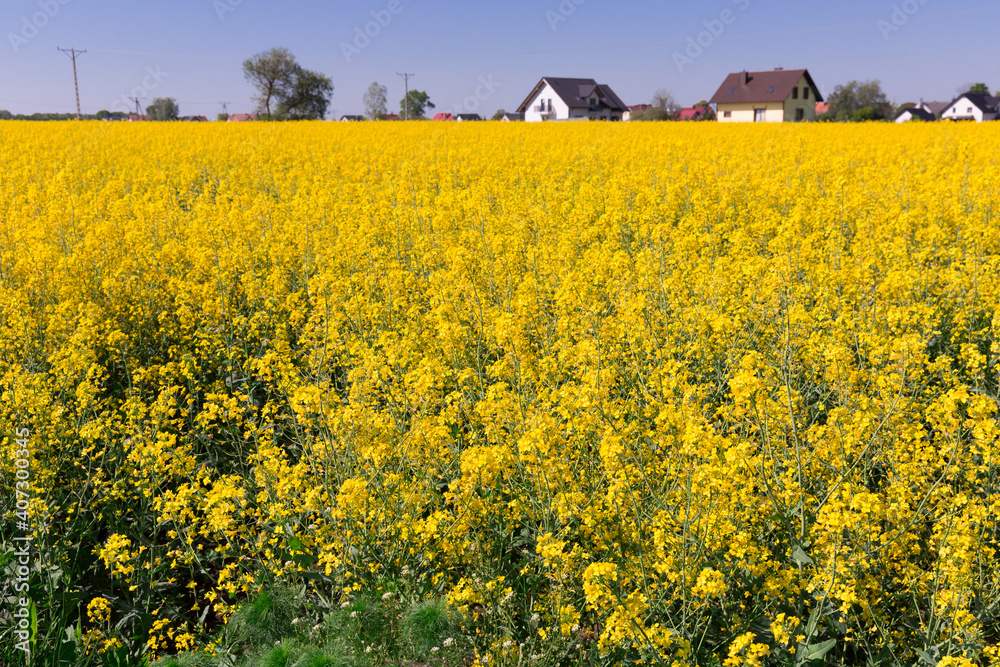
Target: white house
x,y
917,113
571,99
973,106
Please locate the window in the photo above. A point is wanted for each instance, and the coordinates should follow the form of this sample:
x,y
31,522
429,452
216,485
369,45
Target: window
x,y
732,90
805,93
800,115
759,115
970,110
795,93
727,114
771,89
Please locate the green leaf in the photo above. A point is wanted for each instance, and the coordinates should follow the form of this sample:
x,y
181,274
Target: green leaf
x,y
816,651
800,556
927,657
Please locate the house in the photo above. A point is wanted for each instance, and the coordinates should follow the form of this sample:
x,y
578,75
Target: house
x,y
512,116
627,116
468,116
774,96
972,106
241,117
443,115
915,113
351,118
556,98
390,116
196,119
822,108
934,107
134,117
694,113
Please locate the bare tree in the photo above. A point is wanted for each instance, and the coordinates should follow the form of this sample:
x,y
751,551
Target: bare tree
x,y
375,99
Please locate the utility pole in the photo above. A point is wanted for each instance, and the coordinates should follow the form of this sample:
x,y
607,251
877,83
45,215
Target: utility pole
x,y
406,98
72,54
138,111
224,109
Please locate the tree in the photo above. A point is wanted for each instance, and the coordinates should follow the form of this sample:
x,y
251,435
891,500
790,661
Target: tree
x,y
375,100
498,115
163,108
980,88
222,116
414,104
306,97
272,72
860,100
664,107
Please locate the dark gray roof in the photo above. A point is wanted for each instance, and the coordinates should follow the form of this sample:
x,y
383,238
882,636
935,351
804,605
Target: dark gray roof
x,y
922,114
574,93
469,116
936,107
770,86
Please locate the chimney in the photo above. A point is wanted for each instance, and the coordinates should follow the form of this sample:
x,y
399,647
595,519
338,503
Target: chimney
x,y
745,77
778,68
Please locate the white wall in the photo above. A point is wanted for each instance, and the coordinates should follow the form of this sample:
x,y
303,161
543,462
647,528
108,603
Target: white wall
x,y
559,108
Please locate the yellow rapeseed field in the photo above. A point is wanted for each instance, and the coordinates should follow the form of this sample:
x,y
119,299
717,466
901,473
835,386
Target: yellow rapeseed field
x,y
678,393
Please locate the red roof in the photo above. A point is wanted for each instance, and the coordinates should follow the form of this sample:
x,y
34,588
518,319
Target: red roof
x,y
640,107
443,115
822,107
242,117
390,116
693,113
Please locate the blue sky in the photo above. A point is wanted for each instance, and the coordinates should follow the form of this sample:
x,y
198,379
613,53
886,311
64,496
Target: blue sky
x,y
486,55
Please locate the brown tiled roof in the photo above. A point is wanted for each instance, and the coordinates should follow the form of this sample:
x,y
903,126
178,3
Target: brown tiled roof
x,y
770,86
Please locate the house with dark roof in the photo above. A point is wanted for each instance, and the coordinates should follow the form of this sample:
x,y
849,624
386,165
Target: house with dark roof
x,y
351,118
511,117
977,107
774,96
915,113
467,116
933,107
557,98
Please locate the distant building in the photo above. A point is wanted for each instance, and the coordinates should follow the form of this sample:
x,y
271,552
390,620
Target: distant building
x,y
390,116
934,107
241,117
196,119
443,115
822,108
773,96
972,106
915,113
467,116
694,113
627,114
512,116
349,118
134,117
571,99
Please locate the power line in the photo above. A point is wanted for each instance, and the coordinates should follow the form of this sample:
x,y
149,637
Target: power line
x,y
224,109
76,86
138,111
406,97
